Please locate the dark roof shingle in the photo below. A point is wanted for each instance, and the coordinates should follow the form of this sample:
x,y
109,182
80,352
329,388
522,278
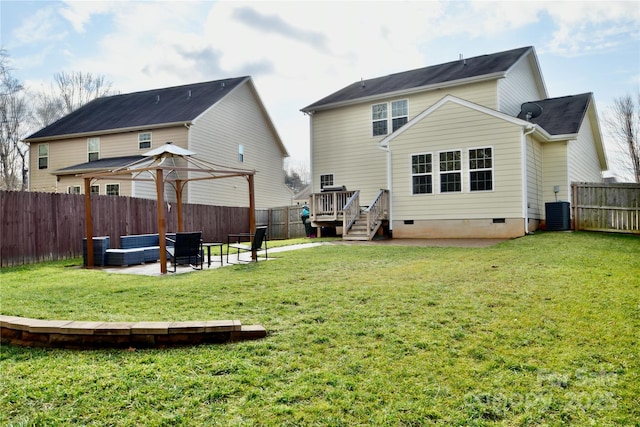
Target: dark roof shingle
x,y
448,72
563,115
152,107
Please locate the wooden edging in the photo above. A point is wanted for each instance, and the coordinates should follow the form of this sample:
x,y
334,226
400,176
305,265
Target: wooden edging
x,y
90,335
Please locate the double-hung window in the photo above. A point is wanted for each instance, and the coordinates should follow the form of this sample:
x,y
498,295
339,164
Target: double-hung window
x,y
95,189
480,169
450,172
93,149
422,174
144,140
73,189
399,114
113,189
379,119
43,156
382,121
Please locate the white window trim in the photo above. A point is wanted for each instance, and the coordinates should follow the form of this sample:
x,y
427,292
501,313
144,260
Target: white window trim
x,y
71,188
90,152
492,169
240,153
461,171
106,188
43,157
333,178
411,175
389,117
95,185
150,140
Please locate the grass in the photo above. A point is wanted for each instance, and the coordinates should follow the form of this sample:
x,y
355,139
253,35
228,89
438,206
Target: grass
x,y
541,330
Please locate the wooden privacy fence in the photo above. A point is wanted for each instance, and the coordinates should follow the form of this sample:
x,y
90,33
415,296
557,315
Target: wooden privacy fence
x,y
37,227
611,207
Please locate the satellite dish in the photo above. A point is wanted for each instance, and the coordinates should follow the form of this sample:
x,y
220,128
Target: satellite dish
x,y
530,110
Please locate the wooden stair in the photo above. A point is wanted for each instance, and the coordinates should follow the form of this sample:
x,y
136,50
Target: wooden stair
x,y
359,231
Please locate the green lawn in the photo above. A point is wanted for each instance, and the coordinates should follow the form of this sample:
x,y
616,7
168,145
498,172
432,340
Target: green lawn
x,y
541,330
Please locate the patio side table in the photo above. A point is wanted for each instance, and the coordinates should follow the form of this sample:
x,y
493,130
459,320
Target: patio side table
x,y
208,246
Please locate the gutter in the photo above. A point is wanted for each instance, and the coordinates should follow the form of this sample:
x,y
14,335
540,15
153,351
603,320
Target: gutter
x,y
106,132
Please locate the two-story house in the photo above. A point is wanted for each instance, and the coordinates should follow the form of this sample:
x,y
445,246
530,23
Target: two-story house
x,y
223,122
469,148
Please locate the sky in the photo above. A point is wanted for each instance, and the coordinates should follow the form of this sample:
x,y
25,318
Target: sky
x,y
299,52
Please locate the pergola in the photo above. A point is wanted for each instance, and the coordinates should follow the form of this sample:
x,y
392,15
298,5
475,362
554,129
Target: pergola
x,y
166,165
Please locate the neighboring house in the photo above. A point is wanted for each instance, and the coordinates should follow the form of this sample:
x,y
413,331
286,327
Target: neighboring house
x,y
470,148
224,122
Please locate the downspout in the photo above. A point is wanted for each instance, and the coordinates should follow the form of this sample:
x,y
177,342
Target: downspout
x,y
525,182
389,185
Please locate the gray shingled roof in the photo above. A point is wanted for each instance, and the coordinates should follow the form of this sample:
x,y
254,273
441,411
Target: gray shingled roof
x,y
561,116
451,71
148,108
107,163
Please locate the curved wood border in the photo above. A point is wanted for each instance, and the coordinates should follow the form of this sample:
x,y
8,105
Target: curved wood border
x,y
90,335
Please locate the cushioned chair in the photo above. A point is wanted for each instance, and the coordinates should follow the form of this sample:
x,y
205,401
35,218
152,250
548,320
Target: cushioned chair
x,y
258,242
185,248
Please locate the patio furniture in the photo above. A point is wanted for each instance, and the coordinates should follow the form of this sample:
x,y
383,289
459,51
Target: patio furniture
x,y
100,247
208,246
234,241
186,246
123,257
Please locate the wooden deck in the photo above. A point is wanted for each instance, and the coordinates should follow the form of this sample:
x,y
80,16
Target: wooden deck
x,y
343,209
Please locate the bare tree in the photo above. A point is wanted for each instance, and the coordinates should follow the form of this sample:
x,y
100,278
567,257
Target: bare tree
x,y
46,109
76,89
623,123
70,91
14,114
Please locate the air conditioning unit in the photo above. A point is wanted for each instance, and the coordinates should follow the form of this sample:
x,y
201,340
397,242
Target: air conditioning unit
x,y
558,216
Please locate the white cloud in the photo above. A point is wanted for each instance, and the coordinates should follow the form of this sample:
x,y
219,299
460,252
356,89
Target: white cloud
x,y
299,52
79,13
39,28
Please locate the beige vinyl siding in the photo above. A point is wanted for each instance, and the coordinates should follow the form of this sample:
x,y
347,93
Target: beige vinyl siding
x,y
72,151
517,87
455,127
238,120
583,158
535,204
343,143
555,172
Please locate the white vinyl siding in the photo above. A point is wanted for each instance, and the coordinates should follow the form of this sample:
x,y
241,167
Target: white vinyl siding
x,y
455,127
519,86
535,203
583,159
555,172
238,120
342,136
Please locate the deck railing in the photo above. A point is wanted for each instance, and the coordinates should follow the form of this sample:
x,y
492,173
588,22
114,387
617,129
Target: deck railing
x,y
377,211
351,211
329,205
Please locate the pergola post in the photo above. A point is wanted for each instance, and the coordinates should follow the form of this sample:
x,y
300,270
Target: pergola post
x,y
252,215
161,221
179,203
88,221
